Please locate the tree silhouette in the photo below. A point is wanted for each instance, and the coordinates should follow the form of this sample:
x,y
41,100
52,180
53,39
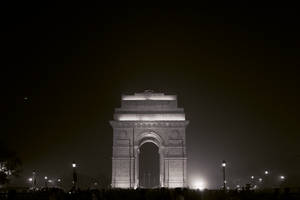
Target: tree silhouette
x,y
10,165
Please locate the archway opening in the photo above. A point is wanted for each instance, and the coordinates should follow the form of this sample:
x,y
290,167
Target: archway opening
x,y
149,166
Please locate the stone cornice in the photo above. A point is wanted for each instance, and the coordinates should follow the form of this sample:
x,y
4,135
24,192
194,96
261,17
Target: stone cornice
x,y
131,124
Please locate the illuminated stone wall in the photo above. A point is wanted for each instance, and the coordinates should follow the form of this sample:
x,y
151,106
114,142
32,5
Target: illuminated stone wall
x,y
149,117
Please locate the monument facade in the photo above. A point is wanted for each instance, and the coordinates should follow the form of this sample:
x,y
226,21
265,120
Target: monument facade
x,y
149,117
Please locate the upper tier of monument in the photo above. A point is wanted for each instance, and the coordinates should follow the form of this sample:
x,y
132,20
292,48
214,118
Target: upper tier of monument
x,y
149,106
149,95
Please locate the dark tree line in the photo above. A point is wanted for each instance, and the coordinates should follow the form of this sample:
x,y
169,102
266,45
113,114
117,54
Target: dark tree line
x,y
10,164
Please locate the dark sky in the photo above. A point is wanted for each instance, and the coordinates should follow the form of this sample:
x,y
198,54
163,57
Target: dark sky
x,y
235,71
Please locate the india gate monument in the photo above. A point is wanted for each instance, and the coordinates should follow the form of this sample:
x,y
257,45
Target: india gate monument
x,y
143,118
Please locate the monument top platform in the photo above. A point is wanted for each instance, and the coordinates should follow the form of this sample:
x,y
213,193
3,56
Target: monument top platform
x,y
149,95
149,106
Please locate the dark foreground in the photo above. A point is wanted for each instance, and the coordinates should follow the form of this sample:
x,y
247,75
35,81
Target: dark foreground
x,y
153,194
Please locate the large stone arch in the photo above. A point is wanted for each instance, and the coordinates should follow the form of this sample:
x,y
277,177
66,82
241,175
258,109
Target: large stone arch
x,y
150,136
145,117
155,138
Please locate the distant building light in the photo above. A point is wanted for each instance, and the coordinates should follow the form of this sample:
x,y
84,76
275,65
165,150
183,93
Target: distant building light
x,y
252,177
45,177
30,179
260,179
282,177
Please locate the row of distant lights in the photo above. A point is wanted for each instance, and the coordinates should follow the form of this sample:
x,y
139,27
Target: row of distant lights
x,y
260,179
267,173
46,179
50,181
281,177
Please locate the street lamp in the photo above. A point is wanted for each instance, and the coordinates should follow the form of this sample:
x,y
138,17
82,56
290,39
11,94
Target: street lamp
x,y
266,172
74,165
224,163
58,181
30,180
224,178
46,181
267,182
282,180
34,179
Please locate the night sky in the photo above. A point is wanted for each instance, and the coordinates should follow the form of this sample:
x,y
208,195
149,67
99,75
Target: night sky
x,y
235,71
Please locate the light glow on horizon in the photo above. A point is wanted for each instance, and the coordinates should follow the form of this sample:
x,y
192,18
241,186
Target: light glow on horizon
x,y
199,184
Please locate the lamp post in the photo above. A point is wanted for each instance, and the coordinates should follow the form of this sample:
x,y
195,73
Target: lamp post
x,y
30,180
260,181
74,165
59,182
252,183
34,179
46,181
267,181
282,180
224,177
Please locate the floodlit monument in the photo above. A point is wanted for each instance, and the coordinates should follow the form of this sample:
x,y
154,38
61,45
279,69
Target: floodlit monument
x,y
149,117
